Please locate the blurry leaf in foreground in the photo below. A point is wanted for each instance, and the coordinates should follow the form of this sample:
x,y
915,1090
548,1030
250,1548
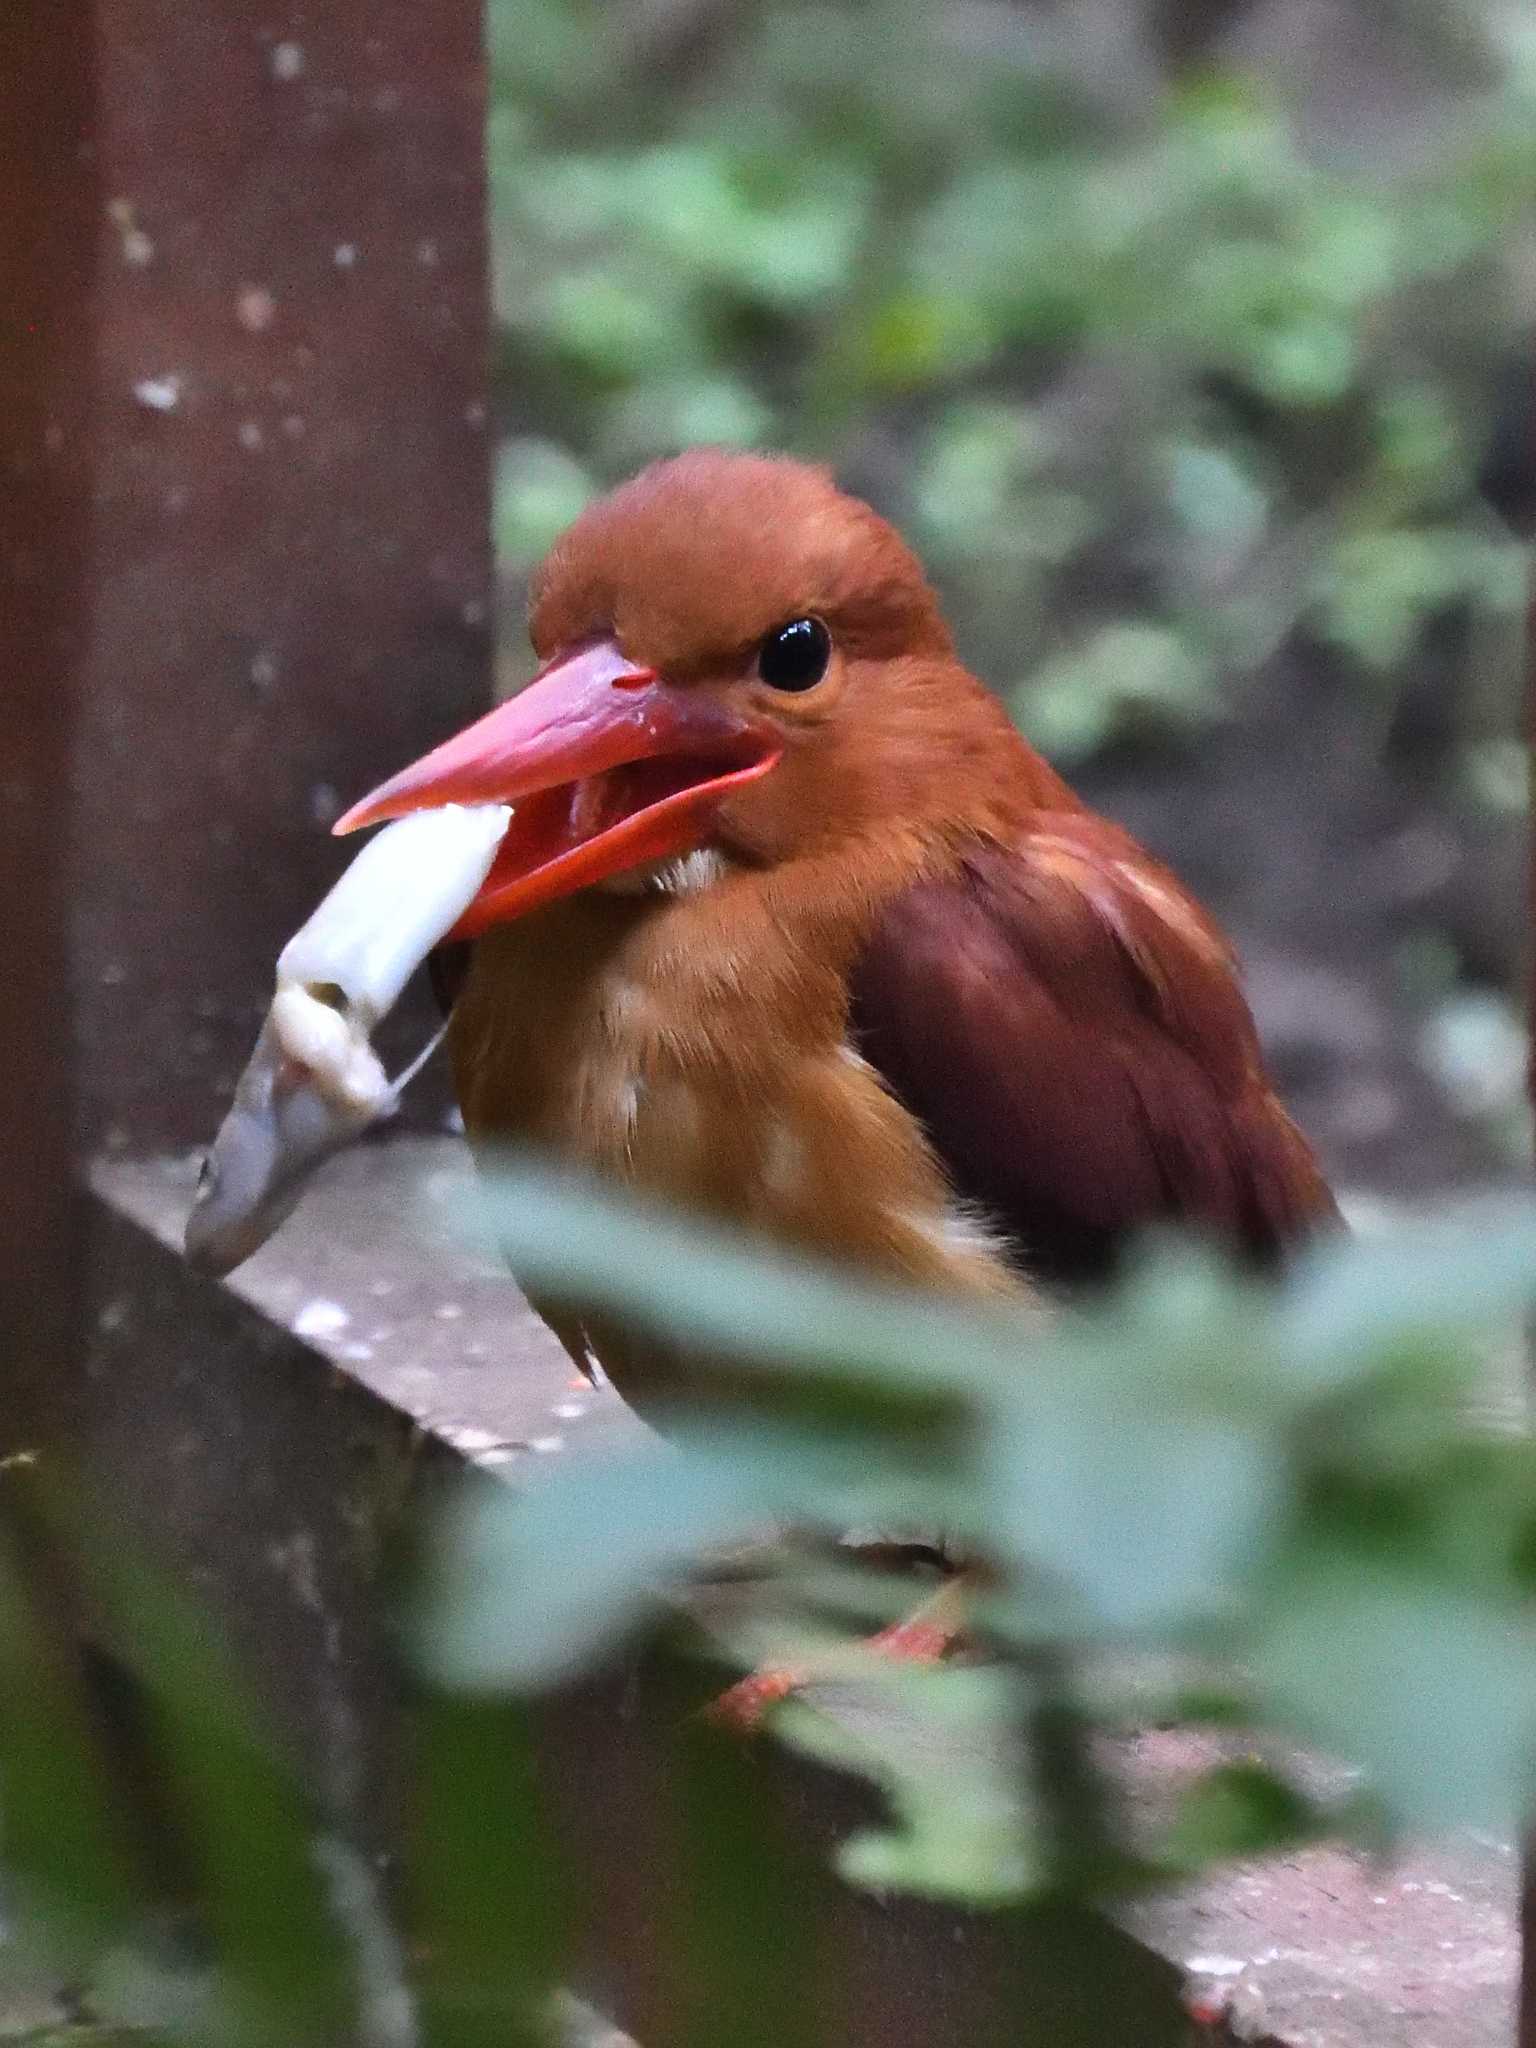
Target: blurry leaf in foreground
x,y
532,1586
1431,1692
937,1745
284,1965
1136,1518
1354,1300
1239,1809
739,1921
58,1836
492,1905
724,1293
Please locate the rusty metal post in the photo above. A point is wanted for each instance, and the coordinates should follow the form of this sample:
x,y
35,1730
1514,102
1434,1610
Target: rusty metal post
x,y
1526,2018
288,561
46,349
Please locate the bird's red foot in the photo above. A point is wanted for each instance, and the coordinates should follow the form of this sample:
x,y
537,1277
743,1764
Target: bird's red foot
x,y
744,1705
920,1639
925,1637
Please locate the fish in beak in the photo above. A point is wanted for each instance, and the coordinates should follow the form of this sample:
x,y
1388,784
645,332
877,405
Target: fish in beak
x,y
314,1083
607,767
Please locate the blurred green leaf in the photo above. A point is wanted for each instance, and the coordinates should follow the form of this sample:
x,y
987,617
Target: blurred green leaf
x,y
740,1925
1213,496
1355,1303
1123,672
1499,774
1135,1519
286,1970
1240,1809
539,491
1432,1691
637,1259
960,1828
493,1907
534,1585
58,1835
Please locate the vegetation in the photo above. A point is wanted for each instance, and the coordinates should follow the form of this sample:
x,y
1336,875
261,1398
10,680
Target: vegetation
x,y
1167,331
1272,1511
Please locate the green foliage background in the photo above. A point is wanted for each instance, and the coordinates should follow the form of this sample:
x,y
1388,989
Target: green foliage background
x,y
1166,330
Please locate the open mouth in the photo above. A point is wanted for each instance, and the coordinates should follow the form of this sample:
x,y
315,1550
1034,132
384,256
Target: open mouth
x,y
564,838
606,766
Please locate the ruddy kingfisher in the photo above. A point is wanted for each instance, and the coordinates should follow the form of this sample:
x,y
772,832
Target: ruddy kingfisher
x,y
790,925
787,924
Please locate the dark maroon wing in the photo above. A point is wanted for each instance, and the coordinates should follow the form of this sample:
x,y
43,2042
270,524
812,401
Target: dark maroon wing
x,y
1067,1025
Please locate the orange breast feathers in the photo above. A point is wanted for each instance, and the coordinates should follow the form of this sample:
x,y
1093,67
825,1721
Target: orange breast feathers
x,y
696,1048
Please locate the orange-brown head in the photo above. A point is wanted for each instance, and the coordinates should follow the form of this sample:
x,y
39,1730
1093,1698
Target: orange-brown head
x,y
740,662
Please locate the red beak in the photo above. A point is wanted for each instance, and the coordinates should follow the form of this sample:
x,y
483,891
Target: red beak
x,y
606,767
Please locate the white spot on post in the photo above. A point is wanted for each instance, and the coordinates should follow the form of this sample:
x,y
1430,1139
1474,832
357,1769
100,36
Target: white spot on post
x,y
287,62
158,394
255,308
321,1319
474,1441
137,248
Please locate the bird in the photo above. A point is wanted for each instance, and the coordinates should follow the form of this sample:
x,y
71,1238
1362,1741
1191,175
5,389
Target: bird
x,y
793,929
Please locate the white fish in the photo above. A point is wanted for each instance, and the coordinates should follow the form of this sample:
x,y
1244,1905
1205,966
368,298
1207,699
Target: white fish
x,y
314,1082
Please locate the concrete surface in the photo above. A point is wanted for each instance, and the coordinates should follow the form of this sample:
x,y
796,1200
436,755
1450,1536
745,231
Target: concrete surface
x,y
1328,1949
380,1274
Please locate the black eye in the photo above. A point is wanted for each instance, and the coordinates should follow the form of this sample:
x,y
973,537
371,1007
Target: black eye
x,y
795,657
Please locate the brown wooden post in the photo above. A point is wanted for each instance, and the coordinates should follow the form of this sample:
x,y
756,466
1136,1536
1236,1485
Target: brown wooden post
x,y
244,570
1526,2021
47,255
289,555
